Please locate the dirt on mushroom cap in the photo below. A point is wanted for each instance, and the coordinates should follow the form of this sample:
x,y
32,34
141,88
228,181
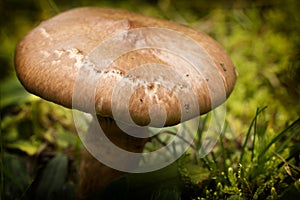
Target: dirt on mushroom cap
x,y
50,57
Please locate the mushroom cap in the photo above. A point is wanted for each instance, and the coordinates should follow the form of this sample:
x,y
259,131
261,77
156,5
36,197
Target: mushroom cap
x,y
149,78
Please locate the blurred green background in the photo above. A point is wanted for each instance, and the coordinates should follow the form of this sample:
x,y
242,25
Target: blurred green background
x,y
261,37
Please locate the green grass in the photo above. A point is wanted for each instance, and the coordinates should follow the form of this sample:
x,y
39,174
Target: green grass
x,y
264,166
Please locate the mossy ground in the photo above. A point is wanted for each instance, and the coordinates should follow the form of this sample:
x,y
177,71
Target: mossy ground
x,y
257,154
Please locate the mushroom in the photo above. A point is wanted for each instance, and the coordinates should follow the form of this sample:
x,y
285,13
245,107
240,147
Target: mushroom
x,y
133,71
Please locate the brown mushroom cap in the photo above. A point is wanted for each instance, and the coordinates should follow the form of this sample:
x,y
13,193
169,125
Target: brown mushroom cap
x,y
49,58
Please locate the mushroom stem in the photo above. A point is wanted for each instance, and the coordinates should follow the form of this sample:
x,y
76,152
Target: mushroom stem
x,y
94,175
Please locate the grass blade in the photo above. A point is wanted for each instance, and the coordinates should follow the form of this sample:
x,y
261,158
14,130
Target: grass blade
x,y
293,129
258,111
